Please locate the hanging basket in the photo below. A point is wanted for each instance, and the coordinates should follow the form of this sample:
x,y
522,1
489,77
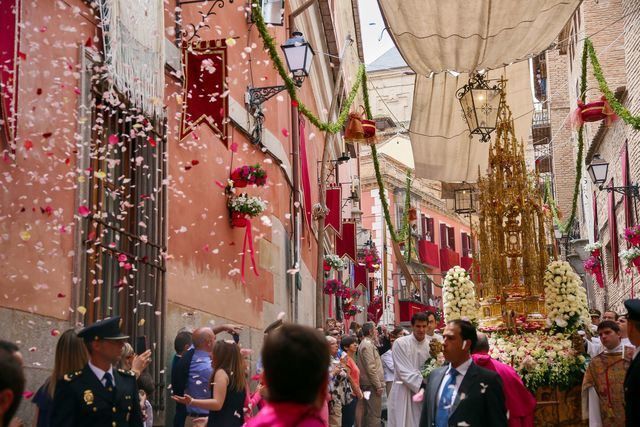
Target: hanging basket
x,y
369,127
238,219
413,215
594,112
354,130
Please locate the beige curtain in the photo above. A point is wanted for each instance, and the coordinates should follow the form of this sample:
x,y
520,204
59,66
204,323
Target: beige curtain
x,y
442,147
470,35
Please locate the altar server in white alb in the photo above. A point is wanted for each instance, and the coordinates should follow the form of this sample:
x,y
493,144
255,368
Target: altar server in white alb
x,y
409,355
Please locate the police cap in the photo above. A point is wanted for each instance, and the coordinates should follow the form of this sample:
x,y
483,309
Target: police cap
x,y
106,329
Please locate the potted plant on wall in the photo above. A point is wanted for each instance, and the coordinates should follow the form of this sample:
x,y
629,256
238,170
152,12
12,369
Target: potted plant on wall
x,y
243,207
248,174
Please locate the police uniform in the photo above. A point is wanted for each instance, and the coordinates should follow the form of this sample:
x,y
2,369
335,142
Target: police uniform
x,y
81,399
632,378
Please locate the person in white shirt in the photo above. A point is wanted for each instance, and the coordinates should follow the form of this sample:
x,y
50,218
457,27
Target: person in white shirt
x,y
387,358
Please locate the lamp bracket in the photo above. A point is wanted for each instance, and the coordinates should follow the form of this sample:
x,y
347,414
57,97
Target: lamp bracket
x,y
203,17
258,95
633,190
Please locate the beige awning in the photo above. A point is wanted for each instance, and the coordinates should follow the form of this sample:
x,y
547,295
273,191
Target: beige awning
x,y
471,35
435,36
442,147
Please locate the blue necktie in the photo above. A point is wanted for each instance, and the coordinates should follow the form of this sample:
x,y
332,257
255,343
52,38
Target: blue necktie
x,y
108,381
445,402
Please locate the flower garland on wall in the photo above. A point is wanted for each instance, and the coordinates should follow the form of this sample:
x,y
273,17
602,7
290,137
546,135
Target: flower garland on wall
x,y
459,296
565,298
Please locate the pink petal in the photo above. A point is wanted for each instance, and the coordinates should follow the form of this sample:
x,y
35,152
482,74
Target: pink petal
x,y
113,139
285,132
84,211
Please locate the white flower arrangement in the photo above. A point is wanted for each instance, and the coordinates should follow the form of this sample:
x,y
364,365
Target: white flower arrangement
x,y
627,256
334,261
590,247
565,298
248,205
459,296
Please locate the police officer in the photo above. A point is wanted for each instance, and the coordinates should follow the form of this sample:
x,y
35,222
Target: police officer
x,y
99,395
632,378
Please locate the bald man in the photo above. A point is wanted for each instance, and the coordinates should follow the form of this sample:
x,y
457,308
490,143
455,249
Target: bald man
x,y
193,372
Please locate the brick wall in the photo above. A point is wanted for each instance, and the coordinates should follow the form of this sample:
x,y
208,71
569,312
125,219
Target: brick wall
x,y
614,29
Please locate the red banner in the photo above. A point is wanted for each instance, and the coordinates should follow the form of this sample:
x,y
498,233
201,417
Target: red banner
x,y
9,49
346,244
334,216
204,89
359,275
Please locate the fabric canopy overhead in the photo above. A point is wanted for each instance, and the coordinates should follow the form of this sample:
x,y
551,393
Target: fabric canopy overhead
x,y
466,36
440,138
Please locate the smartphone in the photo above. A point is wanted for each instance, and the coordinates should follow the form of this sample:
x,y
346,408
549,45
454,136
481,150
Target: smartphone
x,y
141,344
236,337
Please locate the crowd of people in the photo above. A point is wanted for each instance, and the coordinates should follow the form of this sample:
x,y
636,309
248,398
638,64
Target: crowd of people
x,y
309,377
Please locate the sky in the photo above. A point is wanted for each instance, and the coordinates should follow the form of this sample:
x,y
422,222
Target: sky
x,y
371,27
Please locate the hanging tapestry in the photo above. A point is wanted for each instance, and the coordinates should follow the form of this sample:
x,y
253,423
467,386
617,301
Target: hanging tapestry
x,y
204,90
9,18
346,243
133,33
334,216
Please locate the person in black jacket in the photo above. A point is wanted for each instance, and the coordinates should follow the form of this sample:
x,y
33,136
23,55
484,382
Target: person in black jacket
x,y
632,378
99,395
203,340
462,393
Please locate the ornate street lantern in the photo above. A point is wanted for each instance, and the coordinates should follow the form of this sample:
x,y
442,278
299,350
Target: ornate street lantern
x,y
463,201
598,170
480,103
299,55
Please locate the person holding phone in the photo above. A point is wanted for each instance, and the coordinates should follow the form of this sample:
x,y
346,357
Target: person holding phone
x,y
226,405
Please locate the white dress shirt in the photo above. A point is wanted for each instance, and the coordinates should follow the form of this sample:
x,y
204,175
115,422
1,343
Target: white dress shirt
x,y
462,371
100,374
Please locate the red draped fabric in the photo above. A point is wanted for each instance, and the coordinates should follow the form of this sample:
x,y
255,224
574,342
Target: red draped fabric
x,y
333,197
428,253
346,243
613,232
9,49
204,66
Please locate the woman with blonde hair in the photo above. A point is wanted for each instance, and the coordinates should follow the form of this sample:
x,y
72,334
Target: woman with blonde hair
x,y
228,384
71,356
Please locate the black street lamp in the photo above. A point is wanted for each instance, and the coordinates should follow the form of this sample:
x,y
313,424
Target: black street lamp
x,y
598,170
480,103
299,55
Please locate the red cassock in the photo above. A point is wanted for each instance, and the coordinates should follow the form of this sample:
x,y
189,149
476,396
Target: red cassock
x,y
519,401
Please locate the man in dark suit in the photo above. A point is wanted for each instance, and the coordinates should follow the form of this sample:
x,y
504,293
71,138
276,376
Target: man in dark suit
x,y
99,395
462,393
632,378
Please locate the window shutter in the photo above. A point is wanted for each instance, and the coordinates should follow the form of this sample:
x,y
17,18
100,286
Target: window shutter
x,y
452,238
425,228
613,232
443,235
432,231
465,244
624,154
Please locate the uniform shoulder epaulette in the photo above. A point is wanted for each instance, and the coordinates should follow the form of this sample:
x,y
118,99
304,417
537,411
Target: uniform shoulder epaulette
x,y
72,375
126,372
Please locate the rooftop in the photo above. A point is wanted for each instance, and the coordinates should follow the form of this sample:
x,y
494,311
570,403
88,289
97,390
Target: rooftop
x,y
388,60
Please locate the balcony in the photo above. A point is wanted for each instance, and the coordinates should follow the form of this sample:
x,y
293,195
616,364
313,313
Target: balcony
x,y
466,262
428,252
411,301
448,258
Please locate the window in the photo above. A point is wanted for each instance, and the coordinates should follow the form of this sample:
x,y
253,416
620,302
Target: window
x,y
451,237
124,239
428,233
447,237
443,236
466,244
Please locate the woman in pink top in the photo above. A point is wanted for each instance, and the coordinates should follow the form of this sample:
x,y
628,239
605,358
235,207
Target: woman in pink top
x,y
296,362
349,345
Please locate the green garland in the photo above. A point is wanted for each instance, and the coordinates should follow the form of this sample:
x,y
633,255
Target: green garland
x,y
620,110
335,127
269,44
564,227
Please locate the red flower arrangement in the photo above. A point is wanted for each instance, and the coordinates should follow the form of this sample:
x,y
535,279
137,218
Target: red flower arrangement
x,y
333,286
371,259
632,235
594,267
244,175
